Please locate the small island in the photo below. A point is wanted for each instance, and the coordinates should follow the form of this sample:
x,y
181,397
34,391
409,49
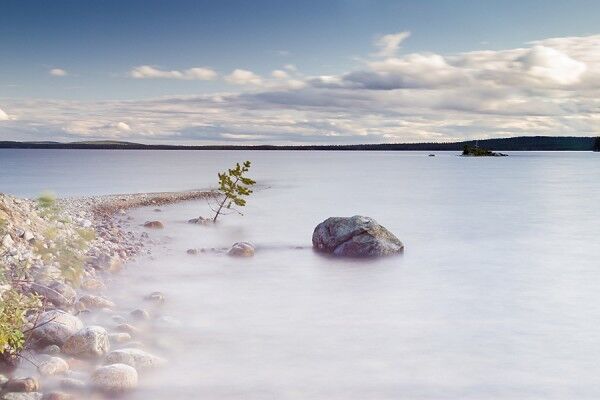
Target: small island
x,y
475,151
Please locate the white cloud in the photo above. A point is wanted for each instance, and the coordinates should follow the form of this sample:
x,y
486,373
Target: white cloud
x,y
150,72
123,126
388,45
243,77
3,115
58,72
547,87
279,74
548,64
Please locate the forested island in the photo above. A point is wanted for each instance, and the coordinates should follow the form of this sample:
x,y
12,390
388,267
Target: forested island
x,y
522,143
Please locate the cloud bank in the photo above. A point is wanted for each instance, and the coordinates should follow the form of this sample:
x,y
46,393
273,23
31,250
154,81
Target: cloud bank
x,y
546,87
150,72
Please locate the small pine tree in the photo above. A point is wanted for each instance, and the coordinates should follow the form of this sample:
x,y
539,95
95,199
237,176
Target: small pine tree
x,y
234,186
597,144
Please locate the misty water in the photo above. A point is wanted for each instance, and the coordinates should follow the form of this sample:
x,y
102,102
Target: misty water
x,y
496,296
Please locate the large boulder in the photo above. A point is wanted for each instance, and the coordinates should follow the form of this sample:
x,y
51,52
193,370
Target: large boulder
x,y
91,341
115,378
136,358
355,236
55,327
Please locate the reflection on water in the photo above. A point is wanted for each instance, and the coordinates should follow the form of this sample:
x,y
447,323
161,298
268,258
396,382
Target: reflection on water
x,y
495,297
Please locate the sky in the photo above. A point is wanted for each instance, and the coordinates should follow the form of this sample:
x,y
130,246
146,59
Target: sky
x,y
305,72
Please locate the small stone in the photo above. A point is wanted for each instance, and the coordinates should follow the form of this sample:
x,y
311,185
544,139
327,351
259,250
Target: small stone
x,y
127,328
153,225
120,337
22,396
140,315
51,350
92,285
28,236
192,251
22,385
115,378
156,297
137,358
72,384
200,221
241,249
53,366
7,241
96,302
58,396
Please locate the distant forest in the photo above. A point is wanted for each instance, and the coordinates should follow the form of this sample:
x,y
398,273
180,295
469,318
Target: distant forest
x,y
523,143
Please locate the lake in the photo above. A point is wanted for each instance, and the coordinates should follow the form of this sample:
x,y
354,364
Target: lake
x,y
496,296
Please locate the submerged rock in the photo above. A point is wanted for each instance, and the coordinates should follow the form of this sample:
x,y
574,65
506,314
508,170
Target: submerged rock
x,y
91,341
55,327
136,358
200,221
22,396
114,378
355,236
241,249
153,225
57,396
22,385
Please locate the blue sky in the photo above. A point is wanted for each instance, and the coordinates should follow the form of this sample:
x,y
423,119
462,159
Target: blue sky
x,y
60,56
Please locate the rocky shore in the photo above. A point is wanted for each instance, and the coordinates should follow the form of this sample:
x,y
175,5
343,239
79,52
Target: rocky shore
x,y
76,342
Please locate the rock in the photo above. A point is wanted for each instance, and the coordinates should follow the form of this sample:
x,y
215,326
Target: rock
x,y
127,328
50,350
22,396
355,236
58,396
7,241
241,249
22,385
58,293
53,366
200,221
105,262
92,285
137,358
72,384
115,378
55,327
192,252
120,337
153,225
28,236
140,315
91,341
3,380
156,297
96,302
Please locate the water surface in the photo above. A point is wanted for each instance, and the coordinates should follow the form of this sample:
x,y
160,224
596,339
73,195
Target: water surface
x,y
496,296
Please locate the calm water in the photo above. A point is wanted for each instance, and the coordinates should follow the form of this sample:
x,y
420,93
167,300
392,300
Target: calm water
x,y
496,297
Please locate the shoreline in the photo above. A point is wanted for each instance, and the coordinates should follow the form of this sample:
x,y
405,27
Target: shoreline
x,y
67,352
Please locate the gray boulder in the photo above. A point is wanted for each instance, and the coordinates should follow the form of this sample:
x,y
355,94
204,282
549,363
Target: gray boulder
x,y
55,327
115,378
241,249
355,236
91,341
